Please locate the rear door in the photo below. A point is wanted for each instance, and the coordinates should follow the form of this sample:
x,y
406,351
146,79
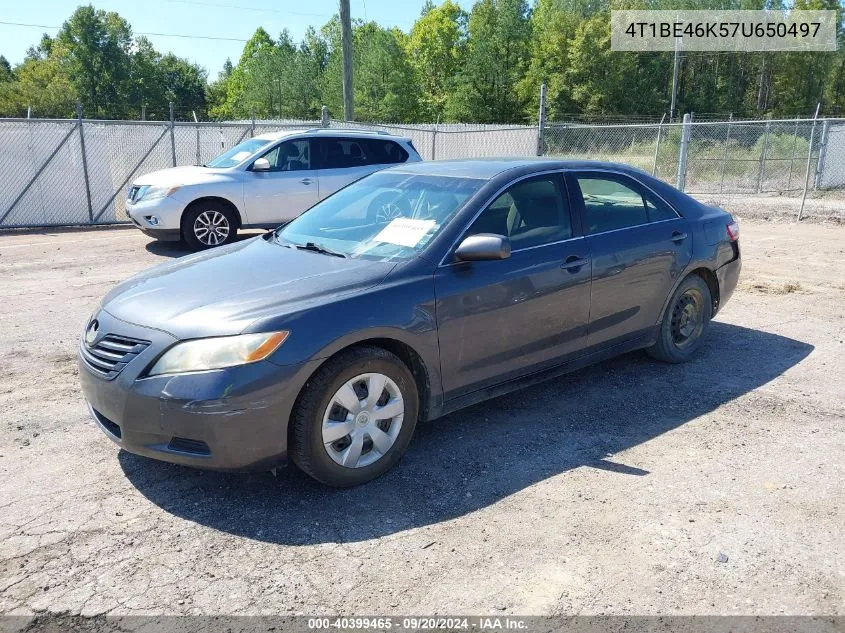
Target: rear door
x,y
639,246
286,190
499,319
343,160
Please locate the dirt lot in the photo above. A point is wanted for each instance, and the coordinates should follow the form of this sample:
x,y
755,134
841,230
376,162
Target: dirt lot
x,y
633,487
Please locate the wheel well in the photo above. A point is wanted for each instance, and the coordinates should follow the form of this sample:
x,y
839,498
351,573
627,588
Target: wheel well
x,y
405,353
220,201
712,282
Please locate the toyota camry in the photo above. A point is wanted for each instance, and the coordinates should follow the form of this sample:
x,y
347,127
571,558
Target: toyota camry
x,y
407,295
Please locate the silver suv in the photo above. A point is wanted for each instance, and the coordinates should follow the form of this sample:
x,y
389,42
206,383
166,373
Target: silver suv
x,y
262,182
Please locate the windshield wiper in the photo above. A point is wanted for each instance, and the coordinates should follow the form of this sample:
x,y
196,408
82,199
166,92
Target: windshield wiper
x,y
319,248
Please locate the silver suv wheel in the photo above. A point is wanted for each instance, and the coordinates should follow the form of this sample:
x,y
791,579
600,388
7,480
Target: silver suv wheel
x,y
211,227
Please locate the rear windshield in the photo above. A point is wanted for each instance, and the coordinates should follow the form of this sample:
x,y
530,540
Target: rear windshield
x,y
384,216
238,154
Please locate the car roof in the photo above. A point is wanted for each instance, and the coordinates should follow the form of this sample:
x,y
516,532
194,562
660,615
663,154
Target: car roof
x,y
341,132
487,168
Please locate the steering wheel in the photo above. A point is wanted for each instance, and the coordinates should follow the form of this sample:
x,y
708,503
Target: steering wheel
x,y
387,206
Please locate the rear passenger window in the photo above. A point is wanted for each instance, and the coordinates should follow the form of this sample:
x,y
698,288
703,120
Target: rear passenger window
x,y
531,212
339,153
382,152
612,203
658,210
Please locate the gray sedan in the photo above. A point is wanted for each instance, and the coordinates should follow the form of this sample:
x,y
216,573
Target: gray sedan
x,y
409,294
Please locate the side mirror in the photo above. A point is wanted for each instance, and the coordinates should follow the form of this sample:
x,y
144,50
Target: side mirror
x,y
261,164
483,247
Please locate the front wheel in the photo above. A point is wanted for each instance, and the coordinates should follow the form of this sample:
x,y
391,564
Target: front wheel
x,y
355,418
685,322
208,224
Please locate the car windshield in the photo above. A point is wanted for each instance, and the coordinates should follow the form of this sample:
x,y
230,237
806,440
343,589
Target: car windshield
x,y
238,154
384,216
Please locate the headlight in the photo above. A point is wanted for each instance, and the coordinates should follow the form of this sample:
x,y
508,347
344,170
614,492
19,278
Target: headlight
x,y
154,192
214,353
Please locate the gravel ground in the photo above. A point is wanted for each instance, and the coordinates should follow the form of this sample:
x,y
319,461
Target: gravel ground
x,y
632,487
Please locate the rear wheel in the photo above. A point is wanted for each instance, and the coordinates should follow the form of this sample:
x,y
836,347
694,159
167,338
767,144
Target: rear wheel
x,y
355,417
685,322
208,224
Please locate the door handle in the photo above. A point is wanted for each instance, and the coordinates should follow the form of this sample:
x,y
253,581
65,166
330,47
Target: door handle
x,y
573,262
306,181
677,236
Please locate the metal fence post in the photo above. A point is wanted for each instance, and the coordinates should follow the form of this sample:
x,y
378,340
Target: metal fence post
x,y
682,157
324,116
809,160
725,155
84,162
822,154
657,144
252,129
198,137
761,170
172,135
792,158
434,139
541,119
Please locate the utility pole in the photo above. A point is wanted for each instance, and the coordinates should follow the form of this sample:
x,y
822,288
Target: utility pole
x,y
675,79
346,44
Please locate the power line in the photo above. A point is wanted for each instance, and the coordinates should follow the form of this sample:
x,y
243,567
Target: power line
x,y
148,33
245,8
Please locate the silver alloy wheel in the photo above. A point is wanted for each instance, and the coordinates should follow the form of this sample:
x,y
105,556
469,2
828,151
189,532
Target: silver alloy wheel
x,y
211,227
363,420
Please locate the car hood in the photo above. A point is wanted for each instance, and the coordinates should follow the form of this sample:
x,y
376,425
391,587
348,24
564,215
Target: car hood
x,y
188,175
222,291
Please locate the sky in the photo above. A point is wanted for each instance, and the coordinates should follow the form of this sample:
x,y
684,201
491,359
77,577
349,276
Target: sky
x,y
236,19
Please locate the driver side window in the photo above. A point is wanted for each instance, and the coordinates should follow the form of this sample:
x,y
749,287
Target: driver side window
x,y
532,212
290,156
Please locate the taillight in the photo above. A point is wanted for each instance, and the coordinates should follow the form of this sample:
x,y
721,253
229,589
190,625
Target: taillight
x,y
733,231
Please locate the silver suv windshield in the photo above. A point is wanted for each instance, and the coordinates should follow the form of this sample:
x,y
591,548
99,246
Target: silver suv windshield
x,y
384,216
238,154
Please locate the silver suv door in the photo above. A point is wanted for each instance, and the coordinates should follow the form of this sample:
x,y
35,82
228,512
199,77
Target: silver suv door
x,y
287,189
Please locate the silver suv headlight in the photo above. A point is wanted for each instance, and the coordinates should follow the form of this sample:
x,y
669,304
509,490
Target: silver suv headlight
x,y
154,192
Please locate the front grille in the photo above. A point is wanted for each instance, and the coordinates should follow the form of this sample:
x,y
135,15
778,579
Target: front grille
x,y
133,191
108,356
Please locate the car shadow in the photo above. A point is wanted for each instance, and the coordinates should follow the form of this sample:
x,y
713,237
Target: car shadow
x,y
180,249
477,456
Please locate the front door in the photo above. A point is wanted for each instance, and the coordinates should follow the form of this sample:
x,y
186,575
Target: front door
x,y
500,319
639,246
285,191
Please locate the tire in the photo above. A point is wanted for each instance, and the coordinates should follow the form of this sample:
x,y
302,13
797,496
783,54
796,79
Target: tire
x,y
207,213
683,327
318,406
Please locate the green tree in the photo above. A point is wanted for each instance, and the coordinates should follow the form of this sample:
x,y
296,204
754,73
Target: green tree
x,y
41,84
6,73
496,59
436,46
96,51
384,82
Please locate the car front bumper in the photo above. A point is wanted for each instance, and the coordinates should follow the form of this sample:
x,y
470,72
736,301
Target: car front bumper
x,y
228,419
157,217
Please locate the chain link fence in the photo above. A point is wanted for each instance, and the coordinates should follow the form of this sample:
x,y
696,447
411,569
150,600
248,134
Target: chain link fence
x,y
782,168
68,172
